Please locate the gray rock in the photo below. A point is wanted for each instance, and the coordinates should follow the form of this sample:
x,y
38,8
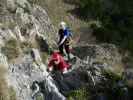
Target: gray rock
x,y
11,6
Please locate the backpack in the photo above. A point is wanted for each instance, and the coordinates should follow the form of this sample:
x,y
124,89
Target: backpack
x,y
70,34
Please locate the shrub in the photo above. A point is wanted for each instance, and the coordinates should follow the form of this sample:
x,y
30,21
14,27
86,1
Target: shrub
x,y
80,94
44,57
116,18
39,97
12,94
112,75
3,84
26,47
43,45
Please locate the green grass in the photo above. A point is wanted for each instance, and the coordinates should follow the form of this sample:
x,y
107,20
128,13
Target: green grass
x,y
112,75
26,47
12,94
80,94
11,49
44,57
39,97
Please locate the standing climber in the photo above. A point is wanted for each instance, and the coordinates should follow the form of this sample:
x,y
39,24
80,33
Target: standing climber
x,y
58,63
64,39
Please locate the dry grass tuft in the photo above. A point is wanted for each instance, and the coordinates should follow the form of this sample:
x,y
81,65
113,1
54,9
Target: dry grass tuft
x,y
6,93
11,49
3,85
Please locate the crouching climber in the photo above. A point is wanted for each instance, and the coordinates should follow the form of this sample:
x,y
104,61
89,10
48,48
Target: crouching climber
x,y
57,63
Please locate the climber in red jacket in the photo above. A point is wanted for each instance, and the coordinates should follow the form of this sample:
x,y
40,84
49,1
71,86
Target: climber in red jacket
x,y
57,62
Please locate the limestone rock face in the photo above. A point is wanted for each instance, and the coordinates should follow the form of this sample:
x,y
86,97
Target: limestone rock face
x,y
106,54
24,74
24,23
25,20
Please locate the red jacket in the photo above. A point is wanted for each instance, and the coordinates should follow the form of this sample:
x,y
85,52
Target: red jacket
x,y
62,63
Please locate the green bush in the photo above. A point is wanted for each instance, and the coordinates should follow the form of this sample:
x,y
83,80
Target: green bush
x,y
39,97
80,94
116,18
114,77
88,7
12,93
11,49
44,57
26,47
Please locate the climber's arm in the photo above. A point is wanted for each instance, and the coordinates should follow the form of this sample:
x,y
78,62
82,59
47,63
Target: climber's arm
x,y
50,65
63,40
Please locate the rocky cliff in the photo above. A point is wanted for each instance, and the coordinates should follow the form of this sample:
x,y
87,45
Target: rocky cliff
x,y
22,24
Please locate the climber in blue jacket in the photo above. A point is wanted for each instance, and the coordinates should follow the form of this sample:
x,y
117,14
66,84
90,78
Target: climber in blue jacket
x,y
64,39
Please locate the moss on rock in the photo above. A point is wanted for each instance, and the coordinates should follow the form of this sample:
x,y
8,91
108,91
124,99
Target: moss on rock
x,y
11,49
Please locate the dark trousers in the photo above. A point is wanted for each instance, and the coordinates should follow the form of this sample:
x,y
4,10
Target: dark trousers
x,y
67,49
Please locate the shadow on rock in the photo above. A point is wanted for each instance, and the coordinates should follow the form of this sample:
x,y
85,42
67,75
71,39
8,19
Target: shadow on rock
x,y
84,51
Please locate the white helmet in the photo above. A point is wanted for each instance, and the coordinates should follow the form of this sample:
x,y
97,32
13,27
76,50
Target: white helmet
x,y
63,25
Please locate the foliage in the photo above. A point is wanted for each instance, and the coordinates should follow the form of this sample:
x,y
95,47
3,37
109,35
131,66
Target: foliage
x,y
116,17
88,7
80,94
39,97
26,47
44,57
12,93
3,84
6,93
114,77
43,45
115,85
11,49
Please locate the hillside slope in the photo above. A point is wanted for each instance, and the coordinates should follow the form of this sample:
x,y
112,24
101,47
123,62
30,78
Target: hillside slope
x,y
59,10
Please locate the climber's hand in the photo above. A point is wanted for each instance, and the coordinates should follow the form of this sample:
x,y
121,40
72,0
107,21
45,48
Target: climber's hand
x,y
50,69
59,44
65,71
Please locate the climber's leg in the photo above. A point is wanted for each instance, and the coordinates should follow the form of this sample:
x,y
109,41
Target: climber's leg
x,y
67,49
61,49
